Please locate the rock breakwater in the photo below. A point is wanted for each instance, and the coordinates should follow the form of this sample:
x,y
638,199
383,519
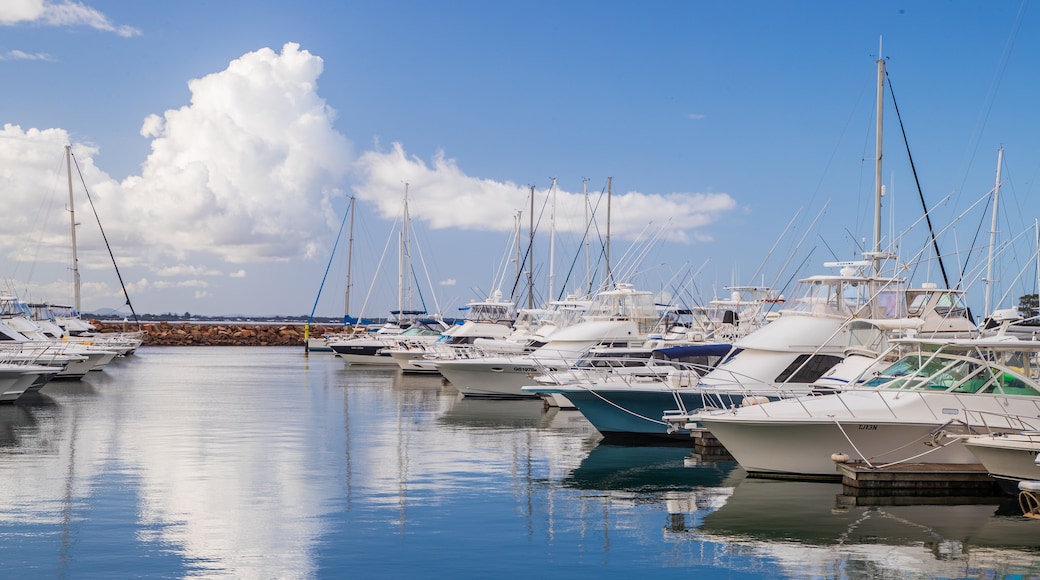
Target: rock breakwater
x,y
202,334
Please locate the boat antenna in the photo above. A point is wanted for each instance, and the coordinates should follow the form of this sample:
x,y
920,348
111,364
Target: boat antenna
x,y
69,155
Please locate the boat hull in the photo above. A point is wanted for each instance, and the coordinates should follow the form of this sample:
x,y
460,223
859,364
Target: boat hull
x,y
496,378
1008,458
805,448
798,436
364,353
631,413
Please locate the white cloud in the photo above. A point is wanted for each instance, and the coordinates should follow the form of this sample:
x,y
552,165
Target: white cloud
x,y
445,197
164,284
186,270
448,282
65,13
248,170
20,55
696,116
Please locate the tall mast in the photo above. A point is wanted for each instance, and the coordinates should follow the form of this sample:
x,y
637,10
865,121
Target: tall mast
x,y
552,242
877,159
350,257
72,225
402,258
530,256
588,260
609,281
993,232
517,230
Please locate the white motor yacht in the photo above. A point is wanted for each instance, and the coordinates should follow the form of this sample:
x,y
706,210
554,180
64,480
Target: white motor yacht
x,y
917,410
369,349
622,316
1010,458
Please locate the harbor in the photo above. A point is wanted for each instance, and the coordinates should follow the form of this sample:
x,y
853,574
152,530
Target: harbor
x,y
267,462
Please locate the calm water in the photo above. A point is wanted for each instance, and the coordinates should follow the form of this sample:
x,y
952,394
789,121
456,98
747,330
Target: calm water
x,y
266,463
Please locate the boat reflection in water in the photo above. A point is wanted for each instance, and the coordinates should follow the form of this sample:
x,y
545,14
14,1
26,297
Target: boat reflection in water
x,y
649,469
813,529
469,412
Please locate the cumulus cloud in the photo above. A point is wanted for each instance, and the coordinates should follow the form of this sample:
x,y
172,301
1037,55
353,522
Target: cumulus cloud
x,y
246,172
251,170
246,168
65,13
445,197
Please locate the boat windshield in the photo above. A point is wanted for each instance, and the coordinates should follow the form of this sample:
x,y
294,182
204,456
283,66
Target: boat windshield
x,y
850,296
998,373
491,312
625,304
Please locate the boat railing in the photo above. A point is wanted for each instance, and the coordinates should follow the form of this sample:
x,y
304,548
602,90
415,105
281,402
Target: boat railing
x,y
993,421
440,351
631,371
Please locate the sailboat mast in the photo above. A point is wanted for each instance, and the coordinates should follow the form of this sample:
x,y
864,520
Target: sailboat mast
x,y
588,259
609,281
530,255
401,260
552,242
517,230
350,257
993,232
72,225
877,158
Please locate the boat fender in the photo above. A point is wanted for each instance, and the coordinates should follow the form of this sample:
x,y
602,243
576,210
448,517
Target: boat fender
x,y
839,457
750,401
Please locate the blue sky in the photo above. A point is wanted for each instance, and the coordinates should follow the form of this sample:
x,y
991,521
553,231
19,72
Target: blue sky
x,y
221,141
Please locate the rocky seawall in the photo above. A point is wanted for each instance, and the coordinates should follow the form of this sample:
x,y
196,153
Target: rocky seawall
x,y
196,334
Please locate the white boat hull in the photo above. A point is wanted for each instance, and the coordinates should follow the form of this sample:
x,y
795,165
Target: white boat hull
x,y
799,436
497,377
1010,457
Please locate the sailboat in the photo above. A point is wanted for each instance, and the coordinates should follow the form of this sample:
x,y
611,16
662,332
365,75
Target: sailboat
x,y
369,348
321,343
68,317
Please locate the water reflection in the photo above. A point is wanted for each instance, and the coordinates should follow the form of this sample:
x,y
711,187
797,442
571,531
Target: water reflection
x,y
219,462
15,421
649,469
190,442
477,413
814,529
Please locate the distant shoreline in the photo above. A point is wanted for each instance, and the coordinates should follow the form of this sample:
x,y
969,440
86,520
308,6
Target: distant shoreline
x,y
219,333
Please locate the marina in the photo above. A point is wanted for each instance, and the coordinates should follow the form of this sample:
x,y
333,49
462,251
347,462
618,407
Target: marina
x,y
248,462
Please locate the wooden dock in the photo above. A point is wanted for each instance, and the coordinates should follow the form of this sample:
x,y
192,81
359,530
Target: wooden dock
x,y
917,479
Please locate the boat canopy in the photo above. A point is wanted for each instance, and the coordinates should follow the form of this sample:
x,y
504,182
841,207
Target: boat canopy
x,y
850,296
689,350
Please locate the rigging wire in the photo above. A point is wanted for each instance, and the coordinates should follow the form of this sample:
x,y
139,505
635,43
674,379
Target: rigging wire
x,y
917,182
105,238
